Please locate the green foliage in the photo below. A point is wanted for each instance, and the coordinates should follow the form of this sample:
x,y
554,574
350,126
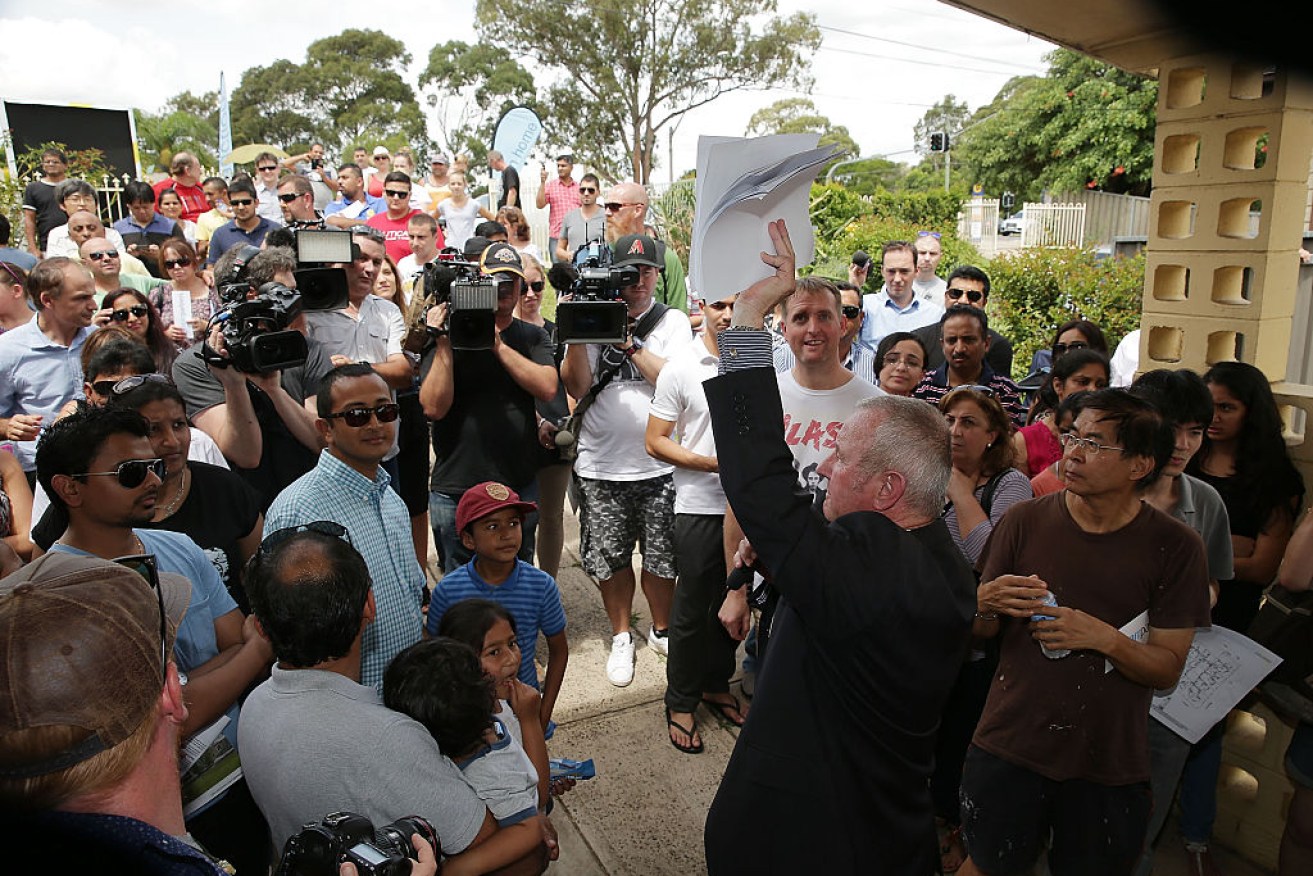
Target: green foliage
x,y
480,82
1036,290
160,137
661,58
87,164
676,205
868,176
350,88
797,115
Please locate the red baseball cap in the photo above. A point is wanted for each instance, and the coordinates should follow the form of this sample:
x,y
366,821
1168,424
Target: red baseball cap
x,y
487,498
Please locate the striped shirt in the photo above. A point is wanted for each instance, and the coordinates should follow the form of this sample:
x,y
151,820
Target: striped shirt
x,y
934,386
378,525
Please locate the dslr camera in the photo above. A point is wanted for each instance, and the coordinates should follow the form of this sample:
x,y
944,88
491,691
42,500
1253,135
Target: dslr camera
x,y
595,313
319,849
470,295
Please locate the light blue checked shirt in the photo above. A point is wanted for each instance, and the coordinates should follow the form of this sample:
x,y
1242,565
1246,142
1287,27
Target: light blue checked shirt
x,y
379,526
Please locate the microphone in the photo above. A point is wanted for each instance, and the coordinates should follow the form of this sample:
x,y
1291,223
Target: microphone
x,y
562,276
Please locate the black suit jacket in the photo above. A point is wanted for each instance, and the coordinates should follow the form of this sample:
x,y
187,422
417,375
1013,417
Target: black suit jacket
x,y
831,772
999,354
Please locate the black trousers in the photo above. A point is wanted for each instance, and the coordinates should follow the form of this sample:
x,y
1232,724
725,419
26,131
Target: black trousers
x,y
701,651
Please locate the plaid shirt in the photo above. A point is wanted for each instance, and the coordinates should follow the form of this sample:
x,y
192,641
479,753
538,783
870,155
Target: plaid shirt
x,y
562,197
379,527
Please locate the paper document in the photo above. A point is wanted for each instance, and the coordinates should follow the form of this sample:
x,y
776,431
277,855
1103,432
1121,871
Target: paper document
x,y
209,766
182,309
742,183
1222,667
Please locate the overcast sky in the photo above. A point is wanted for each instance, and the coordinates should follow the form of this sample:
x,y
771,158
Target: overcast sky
x,y
881,65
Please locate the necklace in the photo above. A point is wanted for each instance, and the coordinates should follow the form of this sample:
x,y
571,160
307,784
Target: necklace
x,y
177,497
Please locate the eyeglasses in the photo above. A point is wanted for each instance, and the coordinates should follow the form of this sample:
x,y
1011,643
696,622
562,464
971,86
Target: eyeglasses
x,y
170,264
613,207
893,360
103,254
288,197
975,296
1060,349
137,310
587,190
537,286
1072,441
935,234
393,193
131,472
851,311
324,527
241,202
974,387
357,417
144,565
268,167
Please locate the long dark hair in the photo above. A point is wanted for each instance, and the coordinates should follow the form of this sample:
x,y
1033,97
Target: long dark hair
x,y
1261,461
1063,367
469,620
163,349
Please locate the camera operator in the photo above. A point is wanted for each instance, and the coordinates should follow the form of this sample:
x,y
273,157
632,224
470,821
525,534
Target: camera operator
x,y
481,403
624,491
263,423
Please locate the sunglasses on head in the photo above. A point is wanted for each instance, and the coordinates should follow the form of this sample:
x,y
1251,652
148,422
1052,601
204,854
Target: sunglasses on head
x,y
131,473
851,311
106,388
975,296
288,197
330,528
103,254
144,565
180,262
935,234
241,202
357,417
137,310
974,387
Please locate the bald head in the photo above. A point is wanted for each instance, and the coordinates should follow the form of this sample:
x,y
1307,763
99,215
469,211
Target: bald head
x,y
627,219
95,255
84,225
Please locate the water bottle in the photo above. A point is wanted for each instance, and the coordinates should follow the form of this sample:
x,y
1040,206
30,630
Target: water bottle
x,y
1051,653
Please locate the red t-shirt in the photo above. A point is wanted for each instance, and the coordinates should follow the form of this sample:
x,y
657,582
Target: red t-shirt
x,y
394,232
193,198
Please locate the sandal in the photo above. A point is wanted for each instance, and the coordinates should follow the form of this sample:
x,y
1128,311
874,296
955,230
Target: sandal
x,y
692,747
727,710
952,854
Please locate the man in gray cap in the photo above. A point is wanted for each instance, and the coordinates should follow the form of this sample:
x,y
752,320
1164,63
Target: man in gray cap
x,y
91,712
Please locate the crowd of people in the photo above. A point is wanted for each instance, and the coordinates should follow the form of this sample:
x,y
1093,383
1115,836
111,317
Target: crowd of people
x,y
932,564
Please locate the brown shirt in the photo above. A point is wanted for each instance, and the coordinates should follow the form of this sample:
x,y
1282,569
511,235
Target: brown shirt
x,y
1068,719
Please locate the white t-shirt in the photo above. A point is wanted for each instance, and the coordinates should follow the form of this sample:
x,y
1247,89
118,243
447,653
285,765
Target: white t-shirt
x,y
679,399
611,446
931,290
1126,359
812,420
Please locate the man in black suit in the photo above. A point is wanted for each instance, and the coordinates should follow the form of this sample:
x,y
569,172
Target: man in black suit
x,y
831,772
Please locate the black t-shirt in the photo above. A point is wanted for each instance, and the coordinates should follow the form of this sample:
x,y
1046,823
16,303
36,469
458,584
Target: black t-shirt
x,y
40,196
285,458
510,179
491,432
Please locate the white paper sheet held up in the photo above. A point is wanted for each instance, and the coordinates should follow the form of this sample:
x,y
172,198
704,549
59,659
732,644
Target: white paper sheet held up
x,y
1222,667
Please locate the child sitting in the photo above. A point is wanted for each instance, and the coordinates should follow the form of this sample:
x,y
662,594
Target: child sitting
x,y
441,684
489,518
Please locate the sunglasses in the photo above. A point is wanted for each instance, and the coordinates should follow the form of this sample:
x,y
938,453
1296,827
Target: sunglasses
x,y
323,527
537,286
267,167
241,202
103,254
288,197
106,388
973,295
1060,349
137,310
393,193
587,190
131,472
170,264
144,565
357,417
935,234
381,157
851,311
612,207
974,387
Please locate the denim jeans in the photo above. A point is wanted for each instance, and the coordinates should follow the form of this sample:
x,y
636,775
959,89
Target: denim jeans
x,y
1199,787
442,517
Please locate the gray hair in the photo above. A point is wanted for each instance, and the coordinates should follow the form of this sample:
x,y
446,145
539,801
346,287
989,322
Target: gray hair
x,y
268,263
911,439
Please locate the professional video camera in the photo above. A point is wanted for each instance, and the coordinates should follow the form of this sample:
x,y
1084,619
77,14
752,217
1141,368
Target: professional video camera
x,y
471,298
595,313
320,251
319,849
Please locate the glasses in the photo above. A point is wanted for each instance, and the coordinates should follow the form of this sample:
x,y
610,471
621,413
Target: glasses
x,y
973,295
381,157
137,310
131,472
1072,441
144,565
613,207
103,254
1060,349
974,387
268,167
935,234
241,202
106,388
323,527
851,311
357,417
288,197
893,360
393,193
537,286
587,190
170,264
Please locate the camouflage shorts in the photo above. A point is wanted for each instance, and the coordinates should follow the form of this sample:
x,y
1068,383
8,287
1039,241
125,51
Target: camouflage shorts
x,y
615,514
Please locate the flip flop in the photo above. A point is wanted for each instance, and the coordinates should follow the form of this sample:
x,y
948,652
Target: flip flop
x,y
727,710
695,748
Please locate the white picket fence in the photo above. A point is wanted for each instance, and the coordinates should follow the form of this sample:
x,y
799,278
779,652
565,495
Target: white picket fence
x,y
1053,225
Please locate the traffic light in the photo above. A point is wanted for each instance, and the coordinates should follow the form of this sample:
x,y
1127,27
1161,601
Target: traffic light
x,y
1008,201
938,142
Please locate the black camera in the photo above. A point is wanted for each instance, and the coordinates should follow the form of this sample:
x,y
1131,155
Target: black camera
x,y
595,313
319,849
471,298
320,251
256,333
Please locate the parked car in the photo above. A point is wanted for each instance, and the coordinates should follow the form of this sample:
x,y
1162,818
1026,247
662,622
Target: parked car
x,y
1012,224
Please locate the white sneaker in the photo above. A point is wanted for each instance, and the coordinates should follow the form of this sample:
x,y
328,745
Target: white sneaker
x,y
620,665
659,641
